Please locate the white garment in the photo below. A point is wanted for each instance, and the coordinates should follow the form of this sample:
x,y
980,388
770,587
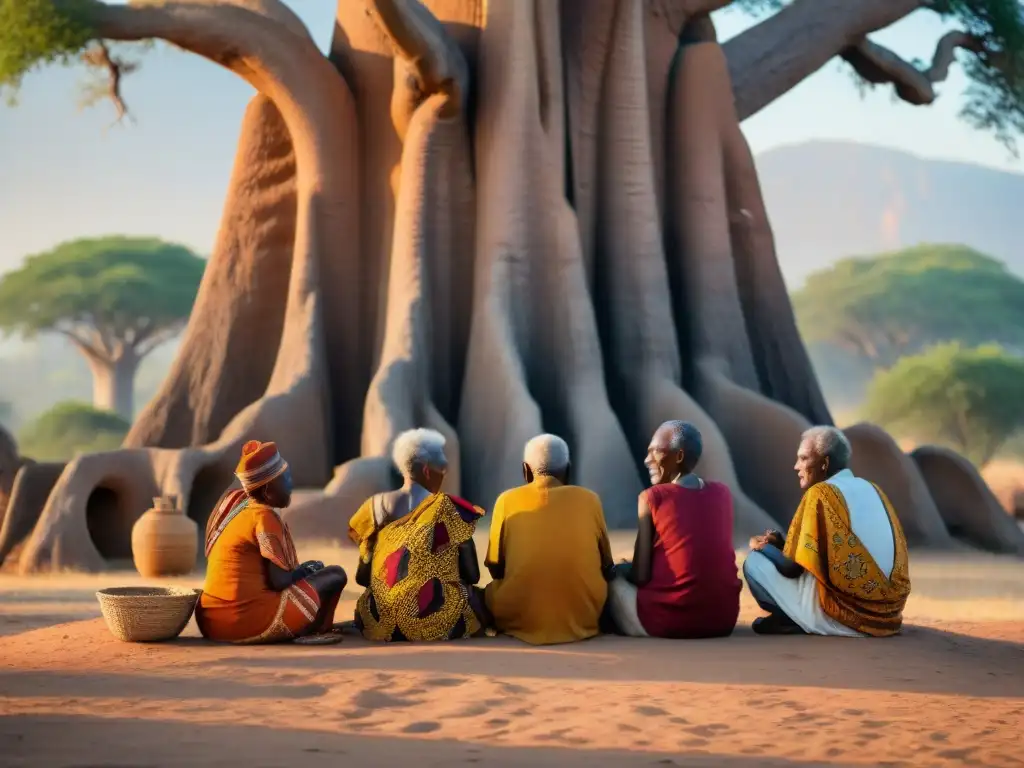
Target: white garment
x,y
798,598
868,518
622,604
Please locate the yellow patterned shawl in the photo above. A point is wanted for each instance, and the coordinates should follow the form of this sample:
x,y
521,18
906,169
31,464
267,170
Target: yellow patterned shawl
x,y
416,592
852,588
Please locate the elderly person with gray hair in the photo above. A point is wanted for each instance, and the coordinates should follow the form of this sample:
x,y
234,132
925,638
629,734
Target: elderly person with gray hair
x,y
417,559
683,581
842,569
548,552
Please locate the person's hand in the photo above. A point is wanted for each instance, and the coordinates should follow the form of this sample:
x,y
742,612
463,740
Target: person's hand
x,y
757,543
310,567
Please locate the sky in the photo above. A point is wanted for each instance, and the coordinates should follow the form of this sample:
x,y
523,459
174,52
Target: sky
x,y
67,173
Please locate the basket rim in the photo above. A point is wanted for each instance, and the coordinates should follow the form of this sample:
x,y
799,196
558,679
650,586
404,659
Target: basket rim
x,y
157,593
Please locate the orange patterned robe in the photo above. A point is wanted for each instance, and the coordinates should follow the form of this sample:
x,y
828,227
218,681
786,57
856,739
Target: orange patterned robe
x,y
237,604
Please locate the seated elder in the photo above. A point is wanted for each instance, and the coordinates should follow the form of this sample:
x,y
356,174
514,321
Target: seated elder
x,y
548,552
255,589
842,569
683,581
417,558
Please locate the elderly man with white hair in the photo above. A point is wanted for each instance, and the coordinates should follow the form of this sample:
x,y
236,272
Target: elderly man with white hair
x,y
683,581
417,559
548,552
842,568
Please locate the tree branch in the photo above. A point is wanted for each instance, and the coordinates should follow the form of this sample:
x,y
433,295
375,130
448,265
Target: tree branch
x,y
427,53
878,65
99,57
250,37
154,339
88,347
778,54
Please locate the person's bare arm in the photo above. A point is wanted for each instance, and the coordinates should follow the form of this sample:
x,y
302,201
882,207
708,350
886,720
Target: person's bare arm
x,y
389,503
604,548
280,579
643,550
783,564
363,571
469,566
495,558
495,561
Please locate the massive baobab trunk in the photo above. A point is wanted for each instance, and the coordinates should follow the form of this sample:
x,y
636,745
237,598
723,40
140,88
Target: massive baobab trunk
x,y
492,218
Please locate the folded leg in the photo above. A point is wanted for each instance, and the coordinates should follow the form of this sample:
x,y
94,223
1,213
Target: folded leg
x,y
622,607
329,583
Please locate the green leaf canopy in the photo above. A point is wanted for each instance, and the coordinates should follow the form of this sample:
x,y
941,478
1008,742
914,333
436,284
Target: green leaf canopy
x,y
885,306
125,289
968,399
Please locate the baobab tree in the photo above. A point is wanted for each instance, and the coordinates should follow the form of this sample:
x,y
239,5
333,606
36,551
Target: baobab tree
x,y
116,299
495,219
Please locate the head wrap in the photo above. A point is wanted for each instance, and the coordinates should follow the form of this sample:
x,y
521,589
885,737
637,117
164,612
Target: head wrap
x,y
260,464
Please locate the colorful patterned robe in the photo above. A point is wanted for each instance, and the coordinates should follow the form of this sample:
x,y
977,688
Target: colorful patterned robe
x,y
416,592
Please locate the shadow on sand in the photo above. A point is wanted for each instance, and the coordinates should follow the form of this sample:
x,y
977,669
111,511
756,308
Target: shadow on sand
x,y
921,660
29,740
83,685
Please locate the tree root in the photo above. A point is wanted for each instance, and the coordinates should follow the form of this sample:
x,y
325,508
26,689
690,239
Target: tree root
x,y
642,347
10,462
968,507
422,290
877,457
534,360
220,365
32,485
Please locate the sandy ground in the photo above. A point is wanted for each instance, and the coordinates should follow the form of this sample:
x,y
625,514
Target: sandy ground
x,y
949,691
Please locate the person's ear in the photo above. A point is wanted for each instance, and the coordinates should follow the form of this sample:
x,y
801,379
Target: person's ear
x,y
527,473
824,464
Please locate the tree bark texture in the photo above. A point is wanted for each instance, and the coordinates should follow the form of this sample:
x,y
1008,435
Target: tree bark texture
x,y
490,218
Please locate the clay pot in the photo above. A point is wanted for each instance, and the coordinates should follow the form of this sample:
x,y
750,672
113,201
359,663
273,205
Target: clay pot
x,y
164,540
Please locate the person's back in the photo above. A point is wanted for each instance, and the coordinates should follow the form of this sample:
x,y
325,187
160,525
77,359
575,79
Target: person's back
x,y
550,540
236,601
694,590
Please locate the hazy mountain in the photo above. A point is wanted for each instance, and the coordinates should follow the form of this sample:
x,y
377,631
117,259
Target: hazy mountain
x,y
830,199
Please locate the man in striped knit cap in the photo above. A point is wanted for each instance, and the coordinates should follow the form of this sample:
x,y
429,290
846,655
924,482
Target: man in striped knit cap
x,y
256,591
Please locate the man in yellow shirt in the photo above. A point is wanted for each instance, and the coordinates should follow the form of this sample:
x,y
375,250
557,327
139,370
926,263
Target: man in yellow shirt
x,y
548,553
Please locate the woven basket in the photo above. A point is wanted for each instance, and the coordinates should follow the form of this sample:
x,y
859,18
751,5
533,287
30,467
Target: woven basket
x,y
147,614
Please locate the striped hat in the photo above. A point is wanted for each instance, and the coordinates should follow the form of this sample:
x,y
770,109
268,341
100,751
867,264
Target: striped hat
x,y
260,464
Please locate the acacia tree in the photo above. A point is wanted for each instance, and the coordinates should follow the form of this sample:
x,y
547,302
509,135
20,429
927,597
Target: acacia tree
x,y
967,399
883,307
115,298
495,218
